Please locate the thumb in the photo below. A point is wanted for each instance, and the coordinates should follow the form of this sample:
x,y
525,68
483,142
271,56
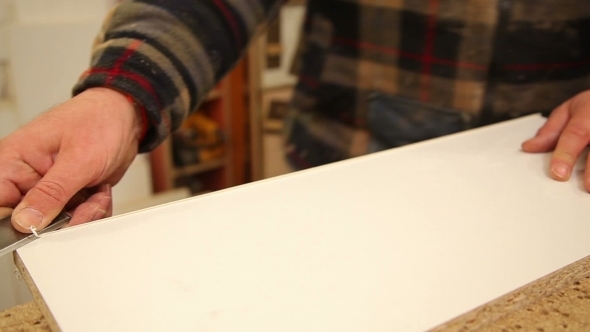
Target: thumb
x,y
48,197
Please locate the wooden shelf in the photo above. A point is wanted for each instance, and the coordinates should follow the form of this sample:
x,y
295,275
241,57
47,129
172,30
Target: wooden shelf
x,y
274,49
198,168
214,94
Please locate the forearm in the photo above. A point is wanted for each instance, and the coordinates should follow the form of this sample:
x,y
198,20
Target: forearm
x,y
167,54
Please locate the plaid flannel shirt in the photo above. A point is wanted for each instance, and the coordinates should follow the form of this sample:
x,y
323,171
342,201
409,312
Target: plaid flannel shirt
x,y
485,60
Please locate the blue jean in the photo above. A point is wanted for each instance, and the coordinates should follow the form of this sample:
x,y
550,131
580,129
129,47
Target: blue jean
x,y
395,121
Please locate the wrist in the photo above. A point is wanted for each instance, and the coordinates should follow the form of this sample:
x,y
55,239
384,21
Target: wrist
x,y
141,122
125,104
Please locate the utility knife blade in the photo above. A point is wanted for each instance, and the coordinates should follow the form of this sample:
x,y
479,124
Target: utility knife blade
x,y
11,239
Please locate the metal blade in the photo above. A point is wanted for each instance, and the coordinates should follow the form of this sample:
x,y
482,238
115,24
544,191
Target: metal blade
x,y
11,239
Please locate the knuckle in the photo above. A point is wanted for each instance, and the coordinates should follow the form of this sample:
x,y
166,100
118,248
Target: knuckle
x,y
564,157
52,191
10,196
579,130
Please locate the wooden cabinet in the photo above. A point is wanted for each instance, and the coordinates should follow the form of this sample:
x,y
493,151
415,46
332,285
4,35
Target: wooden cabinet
x,y
225,109
271,86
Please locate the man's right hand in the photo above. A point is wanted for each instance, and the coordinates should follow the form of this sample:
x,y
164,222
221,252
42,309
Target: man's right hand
x,y
68,158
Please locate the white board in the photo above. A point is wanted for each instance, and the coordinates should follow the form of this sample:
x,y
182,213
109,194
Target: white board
x,y
401,240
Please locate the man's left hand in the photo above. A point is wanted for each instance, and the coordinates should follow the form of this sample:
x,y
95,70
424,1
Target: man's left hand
x,y
567,133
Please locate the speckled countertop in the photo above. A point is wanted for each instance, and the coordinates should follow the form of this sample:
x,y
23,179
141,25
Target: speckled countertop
x,y
559,301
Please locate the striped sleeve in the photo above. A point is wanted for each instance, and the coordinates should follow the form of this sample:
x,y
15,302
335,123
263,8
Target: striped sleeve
x,y
168,54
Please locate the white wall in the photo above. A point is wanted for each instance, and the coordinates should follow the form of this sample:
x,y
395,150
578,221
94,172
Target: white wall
x,y
39,40
36,11
8,117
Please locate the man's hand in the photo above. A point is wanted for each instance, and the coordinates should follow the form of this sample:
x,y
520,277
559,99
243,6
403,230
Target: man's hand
x,y
68,157
567,132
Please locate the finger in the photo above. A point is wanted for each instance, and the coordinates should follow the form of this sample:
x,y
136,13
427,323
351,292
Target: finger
x,y
10,195
587,174
98,206
573,140
547,136
24,180
49,196
5,212
79,198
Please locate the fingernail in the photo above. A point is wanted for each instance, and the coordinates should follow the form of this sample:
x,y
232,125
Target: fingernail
x,y
560,171
28,217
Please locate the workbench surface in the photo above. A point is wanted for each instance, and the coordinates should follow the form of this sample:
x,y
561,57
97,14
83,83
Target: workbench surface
x,y
557,302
